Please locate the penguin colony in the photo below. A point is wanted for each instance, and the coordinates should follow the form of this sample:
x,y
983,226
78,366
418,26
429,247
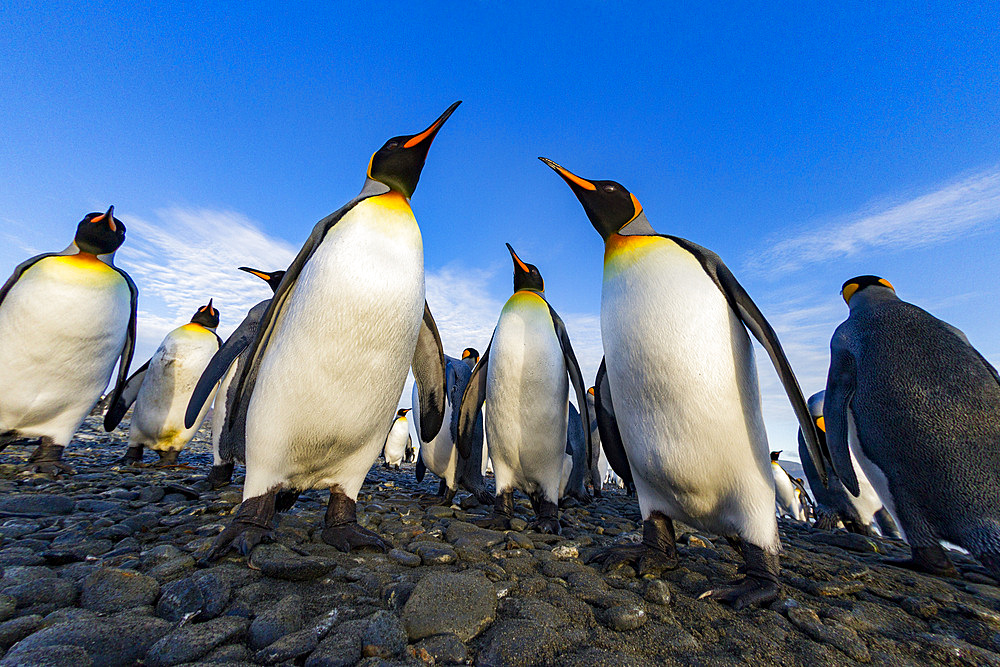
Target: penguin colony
x,y
903,438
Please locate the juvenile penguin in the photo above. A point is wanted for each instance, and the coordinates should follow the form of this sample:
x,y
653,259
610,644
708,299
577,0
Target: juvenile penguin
x,y
522,377
787,495
834,505
161,388
397,441
66,318
440,454
923,404
681,370
227,442
323,375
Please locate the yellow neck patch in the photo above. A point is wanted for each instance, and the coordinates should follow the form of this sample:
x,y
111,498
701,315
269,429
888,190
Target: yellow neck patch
x,y
193,326
392,201
621,252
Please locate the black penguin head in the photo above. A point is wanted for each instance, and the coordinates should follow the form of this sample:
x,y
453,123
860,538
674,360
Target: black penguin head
x,y
591,391
273,279
399,162
607,203
470,355
855,285
100,233
526,276
774,455
207,316
402,412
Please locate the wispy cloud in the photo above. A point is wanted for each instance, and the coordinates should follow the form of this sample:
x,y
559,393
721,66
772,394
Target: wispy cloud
x,y
961,207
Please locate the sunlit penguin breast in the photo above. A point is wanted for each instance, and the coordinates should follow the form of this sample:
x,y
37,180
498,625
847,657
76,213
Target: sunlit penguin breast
x,y
339,353
681,364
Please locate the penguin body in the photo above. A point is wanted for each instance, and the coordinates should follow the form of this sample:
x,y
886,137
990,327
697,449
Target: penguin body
x,y
397,441
163,386
219,409
576,449
916,404
599,468
787,495
65,320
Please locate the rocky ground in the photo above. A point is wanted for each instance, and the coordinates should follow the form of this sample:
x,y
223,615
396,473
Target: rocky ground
x,y
101,569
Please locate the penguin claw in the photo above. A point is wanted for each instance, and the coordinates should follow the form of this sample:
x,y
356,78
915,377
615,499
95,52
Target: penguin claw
x,y
240,536
546,526
745,593
350,536
645,559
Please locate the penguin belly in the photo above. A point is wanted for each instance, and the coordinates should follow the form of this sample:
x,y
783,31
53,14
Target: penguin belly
x,y
338,355
869,501
219,413
681,365
158,417
62,328
527,400
784,493
395,442
440,455
876,478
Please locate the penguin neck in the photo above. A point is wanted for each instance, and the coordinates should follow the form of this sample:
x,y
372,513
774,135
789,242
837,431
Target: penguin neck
x,y
871,297
638,226
74,250
373,188
528,291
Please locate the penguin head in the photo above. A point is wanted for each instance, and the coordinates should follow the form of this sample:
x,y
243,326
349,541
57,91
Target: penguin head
x,y
774,456
470,355
273,279
526,276
402,412
855,285
591,391
607,203
100,233
206,316
399,162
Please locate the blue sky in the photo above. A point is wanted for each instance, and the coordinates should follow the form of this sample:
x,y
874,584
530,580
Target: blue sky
x,y
805,144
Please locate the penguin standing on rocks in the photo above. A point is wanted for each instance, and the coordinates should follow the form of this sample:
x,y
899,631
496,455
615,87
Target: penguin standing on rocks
x,y
227,441
787,494
923,405
66,318
579,459
162,387
834,505
522,377
680,366
440,455
599,462
323,375
397,440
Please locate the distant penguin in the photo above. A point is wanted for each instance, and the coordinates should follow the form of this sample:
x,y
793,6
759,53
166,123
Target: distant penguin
x,y
66,318
397,441
440,455
599,468
324,373
579,453
227,441
787,496
834,505
162,386
680,366
522,378
923,404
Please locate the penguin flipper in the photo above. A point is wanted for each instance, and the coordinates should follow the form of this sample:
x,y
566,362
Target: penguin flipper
x,y
607,426
247,377
840,386
126,397
421,469
19,271
575,376
219,365
430,373
472,403
744,307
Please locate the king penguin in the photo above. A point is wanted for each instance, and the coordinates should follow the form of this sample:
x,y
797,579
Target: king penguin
x,y
397,441
66,318
522,378
923,404
440,454
680,366
324,373
161,388
227,442
787,494
834,505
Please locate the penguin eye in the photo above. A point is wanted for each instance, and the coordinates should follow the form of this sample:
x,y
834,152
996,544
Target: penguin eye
x,y
392,145
609,188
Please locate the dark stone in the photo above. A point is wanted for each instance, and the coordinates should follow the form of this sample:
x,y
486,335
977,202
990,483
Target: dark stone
x,y
111,590
53,590
7,607
445,649
342,648
289,647
280,562
433,555
37,504
20,556
281,619
96,506
172,568
204,595
119,640
519,643
17,629
49,656
191,642
462,604
624,617
384,637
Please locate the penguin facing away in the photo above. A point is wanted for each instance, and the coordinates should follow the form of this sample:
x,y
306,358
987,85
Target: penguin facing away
x,y
325,370
922,403
786,494
834,505
440,454
598,462
522,378
161,389
690,422
227,441
66,319
579,457
397,440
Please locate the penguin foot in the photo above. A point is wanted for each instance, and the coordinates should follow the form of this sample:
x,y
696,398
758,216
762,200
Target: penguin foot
x,y
168,459
656,553
132,457
220,475
548,526
548,518
929,560
342,529
47,460
253,525
503,512
285,500
760,582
